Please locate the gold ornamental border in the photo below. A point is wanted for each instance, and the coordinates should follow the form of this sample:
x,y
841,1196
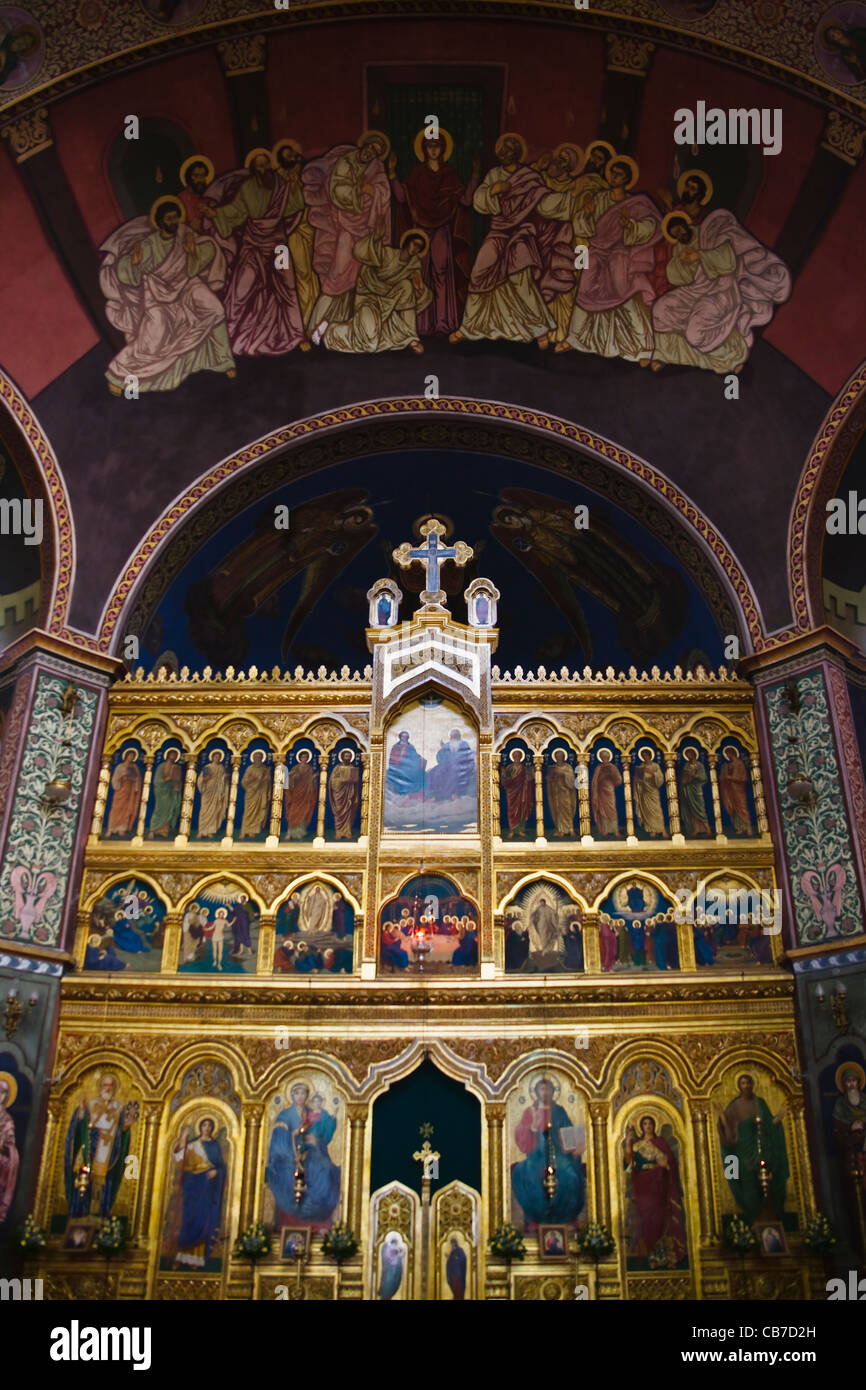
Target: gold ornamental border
x,y
520,416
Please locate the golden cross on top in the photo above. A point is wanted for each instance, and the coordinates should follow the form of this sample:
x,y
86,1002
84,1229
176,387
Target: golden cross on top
x,y
426,1156
431,554
426,1129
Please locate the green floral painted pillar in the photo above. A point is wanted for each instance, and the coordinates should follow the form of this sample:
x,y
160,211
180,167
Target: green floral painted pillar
x,y
818,818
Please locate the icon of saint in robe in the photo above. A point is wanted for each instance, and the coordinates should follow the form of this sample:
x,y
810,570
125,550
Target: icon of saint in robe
x,y
455,1270
749,1132
391,1268
9,1157
693,807
167,797
202,1168
733,781
605,780
544,1120
126,785
405,775
213,785
518,784
657,1235
300,796
344,794
561,794
647,783
256,783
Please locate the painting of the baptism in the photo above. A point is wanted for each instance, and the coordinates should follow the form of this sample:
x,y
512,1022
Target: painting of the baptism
x,y
431,781
543,1130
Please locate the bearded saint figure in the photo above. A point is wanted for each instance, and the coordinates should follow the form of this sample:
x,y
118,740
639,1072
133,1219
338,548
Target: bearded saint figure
x,y
344,794
518,784
561,794
213,785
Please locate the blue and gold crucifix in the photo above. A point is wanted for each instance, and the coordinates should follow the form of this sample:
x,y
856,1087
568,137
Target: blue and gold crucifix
x,y
432,554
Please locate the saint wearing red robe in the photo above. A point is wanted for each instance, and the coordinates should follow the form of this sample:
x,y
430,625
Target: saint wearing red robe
x,y
433,197
301,795
656,1226
518,784
733,780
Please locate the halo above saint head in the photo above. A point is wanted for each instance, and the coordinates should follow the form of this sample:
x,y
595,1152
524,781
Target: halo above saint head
x,y
575,149
623,159
668,218
416,232
196,159
512,135
12,1084
254,153
367,136
445,138
536,1080
698,174
840,1072
599,144
161,202
285,145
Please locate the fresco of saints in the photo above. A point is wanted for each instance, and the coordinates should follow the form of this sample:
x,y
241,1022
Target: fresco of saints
x,y
733,780
98,1136
9,1157
432,197
611,313
300,795
167,797
256,783
344,794
647,783
518,784
525,260
126,785
574,182
213,784
750,1132
655,1216
693,807
725,284
302,1131
405,775
348,199
196,176
694,191
390,1267
389,293
201,1168
526,1176
288,162
849,1124
239,922
160,292
262,308
561,794
605,780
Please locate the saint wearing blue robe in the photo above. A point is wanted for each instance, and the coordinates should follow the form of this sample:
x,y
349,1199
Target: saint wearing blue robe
x,y
126,938
405,775
526,1176
391,1276
202,1183
301,1134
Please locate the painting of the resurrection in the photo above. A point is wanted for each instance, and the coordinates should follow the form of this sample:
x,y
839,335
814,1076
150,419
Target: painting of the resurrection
x,y
431,779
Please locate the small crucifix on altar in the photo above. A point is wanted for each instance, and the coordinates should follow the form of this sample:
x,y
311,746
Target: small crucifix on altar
x,y
432,554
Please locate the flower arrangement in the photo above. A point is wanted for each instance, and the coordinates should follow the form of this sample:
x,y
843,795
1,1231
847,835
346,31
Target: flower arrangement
x,y
739,1236
253,1243
818,1237
507,1244
31,1237
110,1239
340,1243
595,1240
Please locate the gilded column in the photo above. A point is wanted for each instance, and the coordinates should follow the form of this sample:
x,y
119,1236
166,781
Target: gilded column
x,y
673,797
45,1189
701,1110
171,942
537,762
487,953
273,839
494,1113
717,806
267,944
583,794
626,787
138,837
591,945
144,1194
323,788
365,800
686,945
182,837
758,791
357,1115
101,797
497,797
598,1113
252,1124
233,801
